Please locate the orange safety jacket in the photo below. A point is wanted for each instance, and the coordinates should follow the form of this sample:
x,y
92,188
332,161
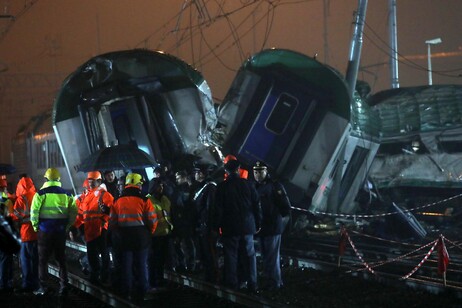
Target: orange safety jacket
x,y
91,215
25,191
78,203
131,210
243,174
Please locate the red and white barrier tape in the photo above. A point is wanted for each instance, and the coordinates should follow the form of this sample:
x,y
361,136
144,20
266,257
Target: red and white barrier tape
x,y
382,239
377,215
358,255
421,262
453,243
401,257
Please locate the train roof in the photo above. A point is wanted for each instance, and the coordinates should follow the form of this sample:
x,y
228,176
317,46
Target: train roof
x,y
122,68
402,112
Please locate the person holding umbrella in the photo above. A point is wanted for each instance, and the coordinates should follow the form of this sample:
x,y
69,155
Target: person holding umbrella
x,y
53,211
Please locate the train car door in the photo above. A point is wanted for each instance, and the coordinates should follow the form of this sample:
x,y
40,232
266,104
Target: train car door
x,y
284,111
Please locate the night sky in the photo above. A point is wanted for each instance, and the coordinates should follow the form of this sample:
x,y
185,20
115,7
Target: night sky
x,y
48,40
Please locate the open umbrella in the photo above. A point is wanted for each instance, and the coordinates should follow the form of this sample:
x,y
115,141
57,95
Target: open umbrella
x,y
118,157
7,169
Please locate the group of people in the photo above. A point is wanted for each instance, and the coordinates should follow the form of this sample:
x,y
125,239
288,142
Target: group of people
x,y
177,224
42,218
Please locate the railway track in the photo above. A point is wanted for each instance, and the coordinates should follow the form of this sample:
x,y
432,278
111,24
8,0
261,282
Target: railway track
x,y
388,262
319,253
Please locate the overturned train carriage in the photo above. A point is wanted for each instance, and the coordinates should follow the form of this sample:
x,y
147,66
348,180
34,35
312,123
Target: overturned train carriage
x,y
293,113
145,98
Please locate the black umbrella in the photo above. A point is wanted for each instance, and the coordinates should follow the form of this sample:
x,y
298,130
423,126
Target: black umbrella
x,y
119,157
7,169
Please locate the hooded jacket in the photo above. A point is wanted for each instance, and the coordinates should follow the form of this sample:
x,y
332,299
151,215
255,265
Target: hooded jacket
x,y
94,212
25,191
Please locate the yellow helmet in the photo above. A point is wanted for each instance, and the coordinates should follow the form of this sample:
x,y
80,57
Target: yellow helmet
x,y
95,175
52,174
134,179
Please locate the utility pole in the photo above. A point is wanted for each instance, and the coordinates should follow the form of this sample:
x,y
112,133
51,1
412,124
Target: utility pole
x,y
393,36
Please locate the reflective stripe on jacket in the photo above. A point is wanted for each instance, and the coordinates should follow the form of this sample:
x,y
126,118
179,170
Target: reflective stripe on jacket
x,y
90,213
132,210
162,208
53,209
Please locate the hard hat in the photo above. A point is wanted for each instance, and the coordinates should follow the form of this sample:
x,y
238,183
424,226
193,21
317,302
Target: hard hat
x,y
95,175
52,174
134,179
228,158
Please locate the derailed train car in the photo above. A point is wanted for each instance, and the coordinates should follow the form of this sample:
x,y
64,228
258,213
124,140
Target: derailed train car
x,y
145,98
293,113
283,108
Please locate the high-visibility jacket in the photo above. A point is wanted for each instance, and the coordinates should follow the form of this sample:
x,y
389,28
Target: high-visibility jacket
x,y
244,174
132,220
6,205
53,209
92,212
25,191
162,208
132,210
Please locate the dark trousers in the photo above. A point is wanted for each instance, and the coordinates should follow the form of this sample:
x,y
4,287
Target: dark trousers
x,y
48,244
270,251
185,252
207,253
157,260
94,249
239,248
29,259
131,271
6,270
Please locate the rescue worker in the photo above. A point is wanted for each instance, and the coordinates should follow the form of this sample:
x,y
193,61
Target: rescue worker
x,y
94,215
275,205
77,232
6,256
132,222
161,237
53,212
25,191
238,214
242,172
203,199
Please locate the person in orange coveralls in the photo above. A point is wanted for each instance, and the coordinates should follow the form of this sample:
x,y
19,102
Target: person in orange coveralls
x,y
94,215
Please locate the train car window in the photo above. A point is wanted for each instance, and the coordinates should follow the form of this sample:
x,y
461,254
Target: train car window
x,y
54,154
281,114
41,154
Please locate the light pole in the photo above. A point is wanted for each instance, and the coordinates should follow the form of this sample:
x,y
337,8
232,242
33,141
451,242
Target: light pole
x,y
435,41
